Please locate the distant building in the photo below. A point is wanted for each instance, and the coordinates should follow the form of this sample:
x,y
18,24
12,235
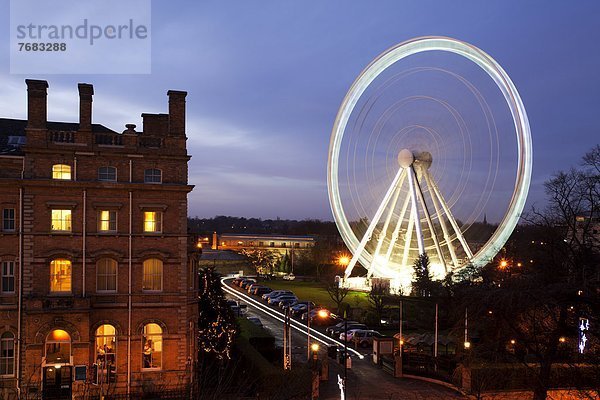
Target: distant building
x,y
97,272
280,244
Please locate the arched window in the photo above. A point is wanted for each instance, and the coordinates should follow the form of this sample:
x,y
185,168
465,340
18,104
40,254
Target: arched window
x,y
107,174
152,346
106,275
60,276
7,354
153,275
58,347
106,346
61,171
152,175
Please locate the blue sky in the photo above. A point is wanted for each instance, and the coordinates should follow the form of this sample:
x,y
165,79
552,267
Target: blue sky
x,y
266,78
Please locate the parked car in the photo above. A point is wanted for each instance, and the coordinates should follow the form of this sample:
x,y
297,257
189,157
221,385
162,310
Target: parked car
x,y
260,290
275,293
255,321
301,307
340,324
237,281
285,302
237,308
336,332
289,277
247,283
252,286
317,318
362,337
275,300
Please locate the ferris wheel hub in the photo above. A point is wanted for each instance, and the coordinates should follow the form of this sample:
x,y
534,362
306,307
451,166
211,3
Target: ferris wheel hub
x,y
406,158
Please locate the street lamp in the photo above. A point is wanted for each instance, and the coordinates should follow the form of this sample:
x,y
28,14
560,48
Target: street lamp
x,y
322,313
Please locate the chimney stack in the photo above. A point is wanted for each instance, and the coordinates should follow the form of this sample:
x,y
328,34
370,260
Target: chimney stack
x,y
86,91
37,98
176,112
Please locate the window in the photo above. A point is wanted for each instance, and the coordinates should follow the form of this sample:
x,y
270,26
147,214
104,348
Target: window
x,y
8,277
152,346
7,354
61,220
153,176
61,171
60,276
106,275
153,274
107,221
107,174
58,347
153,221
106,346
8,219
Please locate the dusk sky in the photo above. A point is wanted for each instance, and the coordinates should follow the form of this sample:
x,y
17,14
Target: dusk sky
x,y
266,79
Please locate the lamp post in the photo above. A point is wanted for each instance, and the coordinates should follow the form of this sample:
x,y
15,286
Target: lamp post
x,y
287,341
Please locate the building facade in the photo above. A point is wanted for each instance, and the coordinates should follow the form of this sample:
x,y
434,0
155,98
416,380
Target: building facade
x,y
97,287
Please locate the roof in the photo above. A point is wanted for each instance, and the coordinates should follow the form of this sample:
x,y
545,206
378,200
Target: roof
x,y
14,128
265,236
221,255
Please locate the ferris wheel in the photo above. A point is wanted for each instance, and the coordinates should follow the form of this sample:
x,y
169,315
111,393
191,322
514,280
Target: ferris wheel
x,y
420,154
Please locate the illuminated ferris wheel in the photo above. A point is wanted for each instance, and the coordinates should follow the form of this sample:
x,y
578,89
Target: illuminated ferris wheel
x,y
431,139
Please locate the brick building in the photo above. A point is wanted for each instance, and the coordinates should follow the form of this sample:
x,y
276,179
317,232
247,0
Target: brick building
x,y
96,266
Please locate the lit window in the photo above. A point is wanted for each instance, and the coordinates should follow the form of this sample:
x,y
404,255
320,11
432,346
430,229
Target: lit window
x,y
106,346
152,346
8,277
153,176
107,174
61,220
8,219
60,276
7,354
106,275
107,221
153,275
61,171
153,221
58,347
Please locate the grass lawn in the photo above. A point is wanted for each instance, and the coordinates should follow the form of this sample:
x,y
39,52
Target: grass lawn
x,y
317,293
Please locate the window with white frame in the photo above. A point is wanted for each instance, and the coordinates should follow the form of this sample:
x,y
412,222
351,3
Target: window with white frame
x,y
60,276
107,221
153,221
8,219
153,275
7,280
106,275
61,171
7,354
61,221
152,346
106,346
153,175
108,174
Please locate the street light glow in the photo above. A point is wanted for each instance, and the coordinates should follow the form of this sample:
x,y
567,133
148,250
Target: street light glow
x,y
314,347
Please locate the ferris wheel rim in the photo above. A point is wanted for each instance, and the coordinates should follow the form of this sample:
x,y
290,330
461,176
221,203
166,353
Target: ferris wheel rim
x,y
512,99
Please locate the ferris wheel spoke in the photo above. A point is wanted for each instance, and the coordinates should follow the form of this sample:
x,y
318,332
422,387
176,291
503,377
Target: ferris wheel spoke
x,y
455,226
408,238
414,211
386,224
367,236
395,234
428,180
430,223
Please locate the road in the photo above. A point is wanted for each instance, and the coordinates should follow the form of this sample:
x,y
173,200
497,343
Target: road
x,y
365,380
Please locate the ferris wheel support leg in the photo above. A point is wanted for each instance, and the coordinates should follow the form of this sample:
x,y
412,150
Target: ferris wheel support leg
x,y
413,194
386,225
395,233
430,224
434,200
457,230
408,238
373,224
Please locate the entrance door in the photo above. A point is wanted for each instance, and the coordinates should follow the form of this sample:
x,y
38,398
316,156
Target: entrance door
x,y
57,383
